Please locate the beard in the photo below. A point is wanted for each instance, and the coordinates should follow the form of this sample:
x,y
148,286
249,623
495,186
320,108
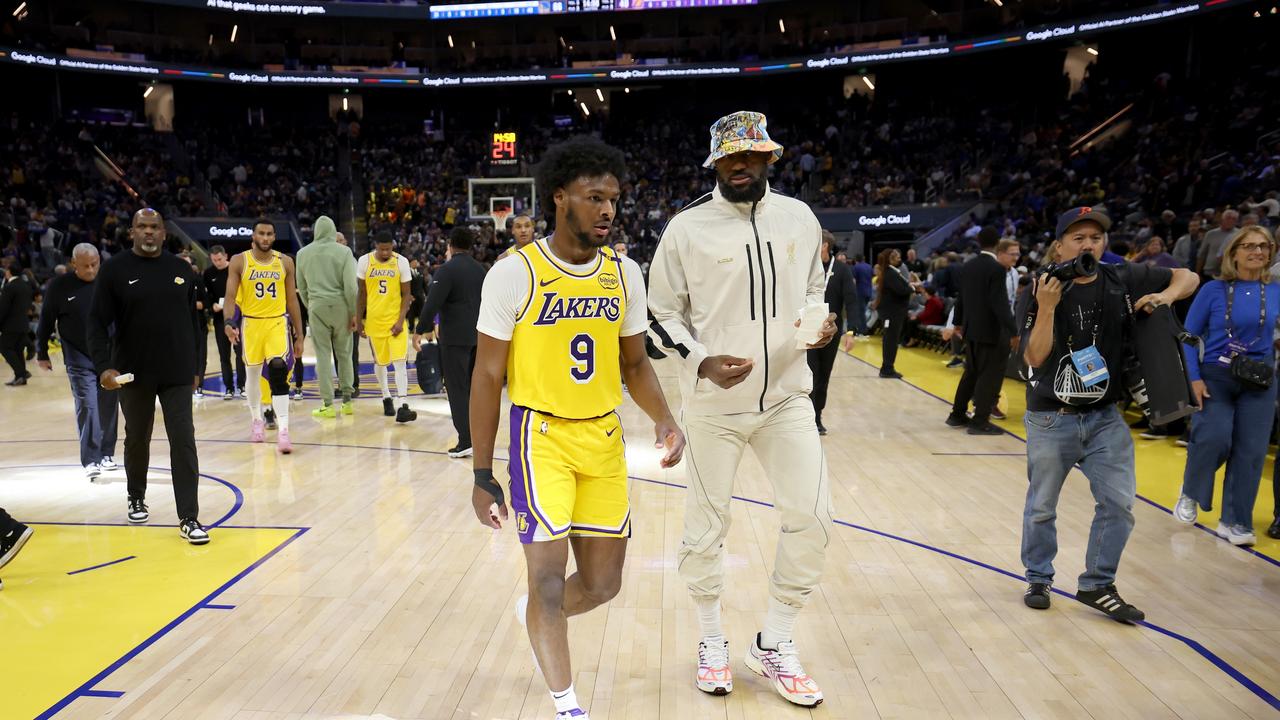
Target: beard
x,y
752,192
583,236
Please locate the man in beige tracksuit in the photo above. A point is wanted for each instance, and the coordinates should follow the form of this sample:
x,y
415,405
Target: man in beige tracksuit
x,y
730,275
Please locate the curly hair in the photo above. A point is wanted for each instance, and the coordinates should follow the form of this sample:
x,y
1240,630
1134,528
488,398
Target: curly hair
x,y
582,156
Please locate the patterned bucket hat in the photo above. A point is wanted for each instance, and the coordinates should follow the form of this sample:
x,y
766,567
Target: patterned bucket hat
x,y
741,131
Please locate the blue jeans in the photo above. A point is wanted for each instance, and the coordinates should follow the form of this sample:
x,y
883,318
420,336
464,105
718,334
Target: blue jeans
x,y
1234,427
1100,443
96,408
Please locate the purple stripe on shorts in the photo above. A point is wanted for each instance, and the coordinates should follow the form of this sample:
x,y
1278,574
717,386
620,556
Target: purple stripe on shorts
x,y
518,466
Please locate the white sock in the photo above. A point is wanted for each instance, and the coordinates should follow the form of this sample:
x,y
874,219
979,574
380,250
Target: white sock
x,y
402,380
565,700
380,372
281,405
709,618
253,389
778,624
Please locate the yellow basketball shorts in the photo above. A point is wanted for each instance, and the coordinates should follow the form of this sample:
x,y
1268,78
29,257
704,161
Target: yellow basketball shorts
x,y
568,477
265,338
388,348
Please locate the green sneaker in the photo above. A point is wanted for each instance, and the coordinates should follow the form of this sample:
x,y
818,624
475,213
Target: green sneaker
x,y
325,411
348,407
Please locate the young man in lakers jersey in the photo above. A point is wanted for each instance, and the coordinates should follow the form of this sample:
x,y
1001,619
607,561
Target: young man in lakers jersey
x,y
563,320
385,282
262,302
522,229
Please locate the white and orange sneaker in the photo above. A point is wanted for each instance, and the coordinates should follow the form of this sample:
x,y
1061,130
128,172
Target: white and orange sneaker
x,y
282,442
782,666
714,675
259,431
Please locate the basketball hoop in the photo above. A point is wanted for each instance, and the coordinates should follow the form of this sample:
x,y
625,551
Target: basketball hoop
x,y
500,216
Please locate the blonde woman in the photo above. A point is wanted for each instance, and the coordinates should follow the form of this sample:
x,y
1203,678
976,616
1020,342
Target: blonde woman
x,y
1234,315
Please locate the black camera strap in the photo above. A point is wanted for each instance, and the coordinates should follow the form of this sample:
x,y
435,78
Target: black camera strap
x,y
1262,311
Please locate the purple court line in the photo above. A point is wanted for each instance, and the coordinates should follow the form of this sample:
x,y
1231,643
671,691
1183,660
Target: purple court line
x,y
1149,501
85,689
211,606
235,491
105,564
103,693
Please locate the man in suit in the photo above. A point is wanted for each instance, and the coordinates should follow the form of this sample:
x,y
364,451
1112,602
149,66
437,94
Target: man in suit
x,y
985,319
454,295
842,298
866,291
15,302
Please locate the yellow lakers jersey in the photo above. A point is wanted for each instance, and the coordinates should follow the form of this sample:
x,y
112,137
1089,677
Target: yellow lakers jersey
x,y
382,292
564,351
261,293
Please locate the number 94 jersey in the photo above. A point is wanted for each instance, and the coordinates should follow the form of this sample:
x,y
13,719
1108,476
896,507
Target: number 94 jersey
x,y
261,293
564,323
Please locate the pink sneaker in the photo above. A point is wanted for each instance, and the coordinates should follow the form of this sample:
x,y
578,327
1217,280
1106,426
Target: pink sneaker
x,y
259,433
282,442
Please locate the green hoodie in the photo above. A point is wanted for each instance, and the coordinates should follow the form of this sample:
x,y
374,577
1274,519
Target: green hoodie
x,y
327,270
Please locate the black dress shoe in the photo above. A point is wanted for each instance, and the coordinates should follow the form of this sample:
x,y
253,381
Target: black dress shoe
x,y
17,381
822,429
1274,530
985,428
957,421
891,375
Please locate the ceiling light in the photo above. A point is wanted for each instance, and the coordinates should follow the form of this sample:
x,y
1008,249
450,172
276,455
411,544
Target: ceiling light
x,y
626,90
18,11
613,35
147,93
344,104
585,111
782,26
867,80
1092,51
450,37
234,29
599,95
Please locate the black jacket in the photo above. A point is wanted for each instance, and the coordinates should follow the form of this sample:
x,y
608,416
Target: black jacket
x,y
895,294
842,293
983,308
151,304
454,294
15,303
66,308
214,284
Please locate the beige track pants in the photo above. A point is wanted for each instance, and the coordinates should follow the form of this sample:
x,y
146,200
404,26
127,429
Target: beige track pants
x,y
785,439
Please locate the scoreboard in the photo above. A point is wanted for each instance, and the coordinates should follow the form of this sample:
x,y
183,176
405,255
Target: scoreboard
x,y
504,156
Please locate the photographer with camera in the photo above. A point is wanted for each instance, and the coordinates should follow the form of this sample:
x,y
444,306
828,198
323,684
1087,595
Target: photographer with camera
x,y
1233,384
1077,330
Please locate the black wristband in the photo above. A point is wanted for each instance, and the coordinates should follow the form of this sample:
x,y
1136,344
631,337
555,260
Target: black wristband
x,y
230,323
485,481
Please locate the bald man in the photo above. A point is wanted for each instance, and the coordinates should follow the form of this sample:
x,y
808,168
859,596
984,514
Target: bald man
x,y
143,323
66,309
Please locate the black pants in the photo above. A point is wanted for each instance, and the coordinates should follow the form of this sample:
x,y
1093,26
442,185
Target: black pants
x,y
892,325
13,345
983,373
202,352
415,309
456,364
229,382
138,402
821,361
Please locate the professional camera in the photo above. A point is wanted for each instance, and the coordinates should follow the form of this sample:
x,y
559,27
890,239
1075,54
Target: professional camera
x,y
1085,265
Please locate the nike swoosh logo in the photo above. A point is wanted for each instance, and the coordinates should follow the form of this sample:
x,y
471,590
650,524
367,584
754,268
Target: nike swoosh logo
x,y
610,433
71,299
544,283
134,281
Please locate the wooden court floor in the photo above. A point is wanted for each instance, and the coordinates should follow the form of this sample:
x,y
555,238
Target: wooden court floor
x,y
350,580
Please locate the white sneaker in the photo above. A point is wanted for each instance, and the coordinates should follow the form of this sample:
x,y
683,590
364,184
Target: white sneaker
x,y
714,675
1185,511
782,666
108,464
1237,534
92,471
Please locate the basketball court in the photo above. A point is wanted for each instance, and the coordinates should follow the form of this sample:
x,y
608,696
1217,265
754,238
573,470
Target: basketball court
x,y
351,579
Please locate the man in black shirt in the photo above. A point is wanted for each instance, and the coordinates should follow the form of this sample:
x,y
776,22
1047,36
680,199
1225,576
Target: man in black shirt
x,y
15,302
842,299
454,294
149,296
985,319
215,289
66,308
1075,340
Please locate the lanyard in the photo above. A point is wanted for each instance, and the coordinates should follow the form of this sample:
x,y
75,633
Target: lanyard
x,y
1262,311
831,269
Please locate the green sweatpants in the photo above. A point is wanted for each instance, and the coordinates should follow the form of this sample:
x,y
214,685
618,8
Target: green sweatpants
x,y
331,334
